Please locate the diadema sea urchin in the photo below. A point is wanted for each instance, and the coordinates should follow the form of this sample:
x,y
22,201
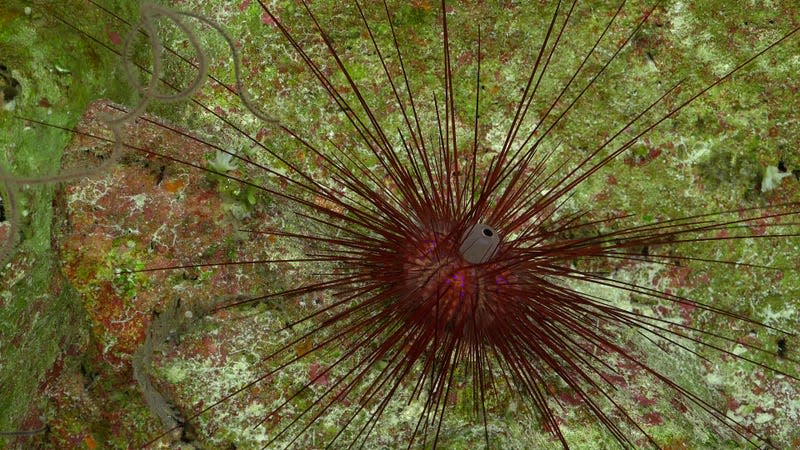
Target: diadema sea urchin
x,y
458,225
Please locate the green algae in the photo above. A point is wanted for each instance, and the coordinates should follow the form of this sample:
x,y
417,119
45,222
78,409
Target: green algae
x,y
60,72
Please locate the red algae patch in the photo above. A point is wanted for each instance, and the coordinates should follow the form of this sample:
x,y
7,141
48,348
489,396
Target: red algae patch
x,y
147,212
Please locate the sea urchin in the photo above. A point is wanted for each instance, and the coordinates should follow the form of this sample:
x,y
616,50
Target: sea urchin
x,y
458,257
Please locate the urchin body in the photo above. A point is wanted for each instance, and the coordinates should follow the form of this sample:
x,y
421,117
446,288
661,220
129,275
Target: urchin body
x,y
452,284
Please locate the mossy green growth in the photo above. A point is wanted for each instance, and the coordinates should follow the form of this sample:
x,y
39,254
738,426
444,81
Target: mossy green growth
x,y
239,199
59,73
